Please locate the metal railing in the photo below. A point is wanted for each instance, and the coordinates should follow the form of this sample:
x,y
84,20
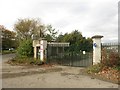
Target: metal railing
x,y
114,47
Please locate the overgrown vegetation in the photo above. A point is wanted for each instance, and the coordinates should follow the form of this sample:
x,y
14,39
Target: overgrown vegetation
x,y
25,48
110,59
95,68
25,61
108,68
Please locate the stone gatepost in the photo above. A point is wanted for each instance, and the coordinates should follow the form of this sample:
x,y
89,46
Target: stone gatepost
x,y
36,43
42,44
43,50
96,49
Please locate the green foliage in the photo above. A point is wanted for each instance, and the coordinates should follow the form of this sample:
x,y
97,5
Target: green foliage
x,y
9,39
48,38
50,33
24,61
25,48
77,41
95,68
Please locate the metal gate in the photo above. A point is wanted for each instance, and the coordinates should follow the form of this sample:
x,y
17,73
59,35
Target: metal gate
x,y
58,55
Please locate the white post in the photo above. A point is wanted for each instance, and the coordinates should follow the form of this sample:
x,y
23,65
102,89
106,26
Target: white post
x,y
35,42
35,52
96,49
43,47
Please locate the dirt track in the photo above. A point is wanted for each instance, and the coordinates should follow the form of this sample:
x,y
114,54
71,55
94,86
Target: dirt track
x,y
49,77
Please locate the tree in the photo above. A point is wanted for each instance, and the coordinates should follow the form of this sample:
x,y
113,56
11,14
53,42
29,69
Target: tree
x,y
48,38
9,39
25,28
60,38
77,41
50,33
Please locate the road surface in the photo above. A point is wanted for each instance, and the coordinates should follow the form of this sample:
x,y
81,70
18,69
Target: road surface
x,y
3,59
52,77
6,57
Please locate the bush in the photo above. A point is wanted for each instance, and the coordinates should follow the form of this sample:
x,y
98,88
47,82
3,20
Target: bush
x,y
110,59
25,48
95,68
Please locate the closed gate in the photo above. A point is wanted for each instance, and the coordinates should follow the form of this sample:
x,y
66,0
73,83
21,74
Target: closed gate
x,y
58,55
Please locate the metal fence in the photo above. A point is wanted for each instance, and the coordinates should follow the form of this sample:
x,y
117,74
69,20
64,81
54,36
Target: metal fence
x,y
71,59
110,51
114,47
62,56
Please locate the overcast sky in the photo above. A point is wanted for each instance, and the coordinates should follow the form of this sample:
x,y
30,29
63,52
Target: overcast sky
x,y
91,17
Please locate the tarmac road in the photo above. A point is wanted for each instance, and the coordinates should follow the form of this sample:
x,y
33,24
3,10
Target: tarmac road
x,y
52,77
6,57
3,59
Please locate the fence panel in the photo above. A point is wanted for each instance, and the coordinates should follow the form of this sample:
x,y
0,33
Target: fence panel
x,y
60,55
75,60
110,47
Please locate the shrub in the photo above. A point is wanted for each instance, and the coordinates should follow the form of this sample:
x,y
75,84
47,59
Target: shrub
x,y
110,59
25,48
114,59
94,69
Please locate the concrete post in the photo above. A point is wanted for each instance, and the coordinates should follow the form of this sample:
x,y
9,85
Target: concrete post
x,y
43,46
35,42
43,51
35,52
96,49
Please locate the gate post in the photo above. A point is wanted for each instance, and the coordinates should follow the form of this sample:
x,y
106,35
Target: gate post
x,y
96,49
43,50
35,44
42,43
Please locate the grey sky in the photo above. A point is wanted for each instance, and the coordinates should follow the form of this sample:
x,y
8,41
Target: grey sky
x,y
91,17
